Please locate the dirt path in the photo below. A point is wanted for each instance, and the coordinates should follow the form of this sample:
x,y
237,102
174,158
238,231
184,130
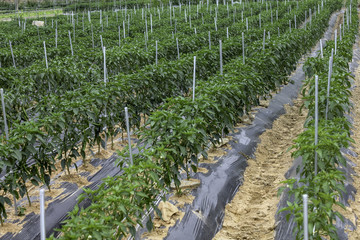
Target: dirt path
x,y
251,213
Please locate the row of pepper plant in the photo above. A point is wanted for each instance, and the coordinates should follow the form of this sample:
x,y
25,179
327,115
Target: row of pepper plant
x,y
52,130
20,105
59,74
180,130
28,44
59,78
110,5
17,102
326,187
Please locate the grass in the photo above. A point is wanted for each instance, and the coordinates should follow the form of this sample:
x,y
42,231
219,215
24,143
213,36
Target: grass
x,y
31,14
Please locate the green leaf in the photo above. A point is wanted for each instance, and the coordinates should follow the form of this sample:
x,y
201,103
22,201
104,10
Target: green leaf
x,y
149,225
34,182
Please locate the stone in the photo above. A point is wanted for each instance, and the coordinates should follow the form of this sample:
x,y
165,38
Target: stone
x,y
38,23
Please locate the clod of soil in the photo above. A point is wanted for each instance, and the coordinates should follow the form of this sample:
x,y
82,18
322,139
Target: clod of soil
x,y
171,214
186,184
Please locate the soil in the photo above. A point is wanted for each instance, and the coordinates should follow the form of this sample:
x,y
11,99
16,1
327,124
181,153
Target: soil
x,y
262,177
213,155
202,170
171,214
